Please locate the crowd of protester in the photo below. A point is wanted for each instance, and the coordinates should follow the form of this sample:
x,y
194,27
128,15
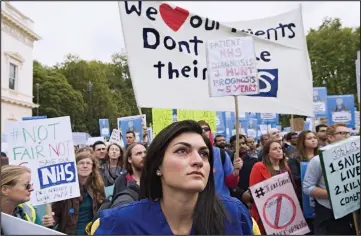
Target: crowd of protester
x,y
187,181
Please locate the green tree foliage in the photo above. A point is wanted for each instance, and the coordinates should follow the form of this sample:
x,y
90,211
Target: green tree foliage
x,y
110,94
332,49
57,97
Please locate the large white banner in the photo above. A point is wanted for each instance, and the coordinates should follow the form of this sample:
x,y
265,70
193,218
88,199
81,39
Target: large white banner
x,y
166,48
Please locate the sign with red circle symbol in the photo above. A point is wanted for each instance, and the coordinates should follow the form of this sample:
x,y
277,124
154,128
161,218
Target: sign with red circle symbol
x,y
279,211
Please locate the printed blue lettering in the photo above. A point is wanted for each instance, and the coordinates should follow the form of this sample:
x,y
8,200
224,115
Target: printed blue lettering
x,y
56,174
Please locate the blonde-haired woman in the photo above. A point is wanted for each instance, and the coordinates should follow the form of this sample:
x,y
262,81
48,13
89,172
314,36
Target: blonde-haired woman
x,y
16,188
72,216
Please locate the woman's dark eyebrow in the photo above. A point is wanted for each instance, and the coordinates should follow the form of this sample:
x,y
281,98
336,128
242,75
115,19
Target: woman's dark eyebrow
x,y
204,149
189,145
183,143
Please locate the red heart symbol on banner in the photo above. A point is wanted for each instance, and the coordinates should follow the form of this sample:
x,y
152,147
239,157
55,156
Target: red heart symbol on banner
x,y
174,18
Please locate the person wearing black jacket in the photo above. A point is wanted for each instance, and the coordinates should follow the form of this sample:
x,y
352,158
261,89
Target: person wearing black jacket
x,y
125,191
126,186
241,192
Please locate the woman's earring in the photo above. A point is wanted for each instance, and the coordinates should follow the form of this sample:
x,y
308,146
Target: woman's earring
x,y
6,199
158,173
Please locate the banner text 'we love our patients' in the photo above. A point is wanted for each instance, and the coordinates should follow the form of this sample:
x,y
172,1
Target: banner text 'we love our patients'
x,y
175,18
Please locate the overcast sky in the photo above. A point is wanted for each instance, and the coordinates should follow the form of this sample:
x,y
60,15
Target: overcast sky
x,y
92,30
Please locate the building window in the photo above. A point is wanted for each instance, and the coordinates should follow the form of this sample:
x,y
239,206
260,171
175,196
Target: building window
x,y
13,69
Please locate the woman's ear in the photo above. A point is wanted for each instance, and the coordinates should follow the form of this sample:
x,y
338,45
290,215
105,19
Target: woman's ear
x,y
159,171
5,190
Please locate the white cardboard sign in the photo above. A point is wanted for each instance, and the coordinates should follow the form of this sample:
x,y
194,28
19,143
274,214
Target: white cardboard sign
x,y
116,138
341,165
278,206
46,147
231,66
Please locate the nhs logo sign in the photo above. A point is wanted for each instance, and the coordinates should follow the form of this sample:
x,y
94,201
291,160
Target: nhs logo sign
x,y
268,83
57,174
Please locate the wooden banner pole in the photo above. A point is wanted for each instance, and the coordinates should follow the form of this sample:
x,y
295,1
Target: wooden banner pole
x,y
237,128
313,124
356,223
48,209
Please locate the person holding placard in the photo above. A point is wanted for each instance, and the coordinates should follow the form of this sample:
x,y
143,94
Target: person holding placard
x,y
16,188
241,192
314,186
178,191
72,216
306,149
226,176
273,163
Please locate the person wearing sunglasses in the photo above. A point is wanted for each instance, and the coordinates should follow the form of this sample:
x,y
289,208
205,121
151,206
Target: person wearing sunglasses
x,y
16,188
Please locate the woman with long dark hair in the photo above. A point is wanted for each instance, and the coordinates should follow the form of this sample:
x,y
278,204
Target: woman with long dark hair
x,y
112,167
306,149
177,191
273,163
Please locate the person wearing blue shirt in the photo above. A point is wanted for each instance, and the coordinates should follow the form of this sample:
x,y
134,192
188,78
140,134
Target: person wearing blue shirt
x,y
226,175
178,191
